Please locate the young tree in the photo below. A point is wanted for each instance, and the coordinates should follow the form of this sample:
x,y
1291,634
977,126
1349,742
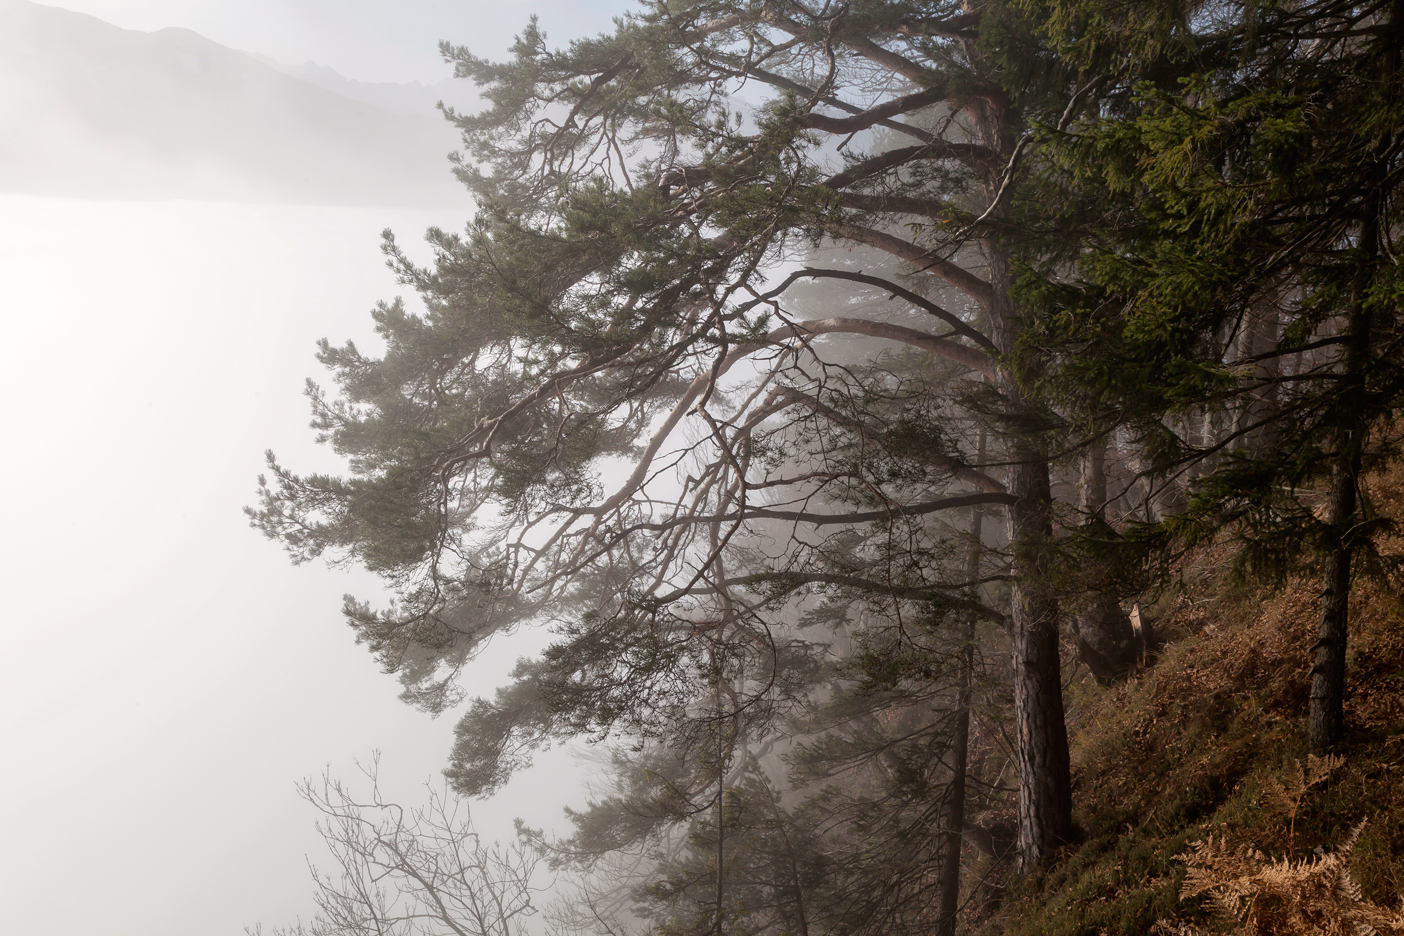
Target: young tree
x,y
592,424
855,836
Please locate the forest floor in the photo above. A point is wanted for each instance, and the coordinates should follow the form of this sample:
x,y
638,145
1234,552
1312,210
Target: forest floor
x,y
1208,745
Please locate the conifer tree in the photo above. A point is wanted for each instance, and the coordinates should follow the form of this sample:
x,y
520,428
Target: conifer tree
x,y
1239,310
591,425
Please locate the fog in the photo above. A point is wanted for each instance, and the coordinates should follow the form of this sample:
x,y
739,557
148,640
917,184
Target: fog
x,y
167,675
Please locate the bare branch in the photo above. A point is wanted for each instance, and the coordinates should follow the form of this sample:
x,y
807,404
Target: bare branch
x,y
926,260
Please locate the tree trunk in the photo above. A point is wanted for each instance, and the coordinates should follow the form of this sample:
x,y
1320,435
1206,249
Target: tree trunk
x,y
1041,736
1041,742
719,810
949,885
1093,483
1045,785
1327,710
1326,715
955,812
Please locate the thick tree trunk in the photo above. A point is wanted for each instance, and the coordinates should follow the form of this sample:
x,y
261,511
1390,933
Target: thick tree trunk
x,y
1045,786
1326,712
1041,742
1041,736
1326,715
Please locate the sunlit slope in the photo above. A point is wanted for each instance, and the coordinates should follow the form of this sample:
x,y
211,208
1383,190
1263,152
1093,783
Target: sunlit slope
x,y
91,110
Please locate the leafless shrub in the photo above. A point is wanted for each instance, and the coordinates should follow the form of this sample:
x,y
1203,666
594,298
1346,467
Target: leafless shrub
x,y
413,872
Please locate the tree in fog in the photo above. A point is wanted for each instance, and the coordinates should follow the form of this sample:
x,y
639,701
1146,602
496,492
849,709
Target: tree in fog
x,y
612,421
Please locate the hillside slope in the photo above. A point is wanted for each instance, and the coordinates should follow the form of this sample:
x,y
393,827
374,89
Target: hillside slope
x,y
1209,745
91,110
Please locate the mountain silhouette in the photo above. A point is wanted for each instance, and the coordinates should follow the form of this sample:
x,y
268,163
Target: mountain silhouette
x,y
409,98
90,110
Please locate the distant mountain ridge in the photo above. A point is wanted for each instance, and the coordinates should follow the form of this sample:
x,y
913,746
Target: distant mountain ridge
x,y
88,109
408,98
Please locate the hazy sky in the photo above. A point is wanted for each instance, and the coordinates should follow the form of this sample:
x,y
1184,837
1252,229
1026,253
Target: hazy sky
x,y
167,676
369,40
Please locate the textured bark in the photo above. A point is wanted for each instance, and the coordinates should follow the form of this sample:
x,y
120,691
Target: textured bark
x,y
1041,742
1045,787
1327,711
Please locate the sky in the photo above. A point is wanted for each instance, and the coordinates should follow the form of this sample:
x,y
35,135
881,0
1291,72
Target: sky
x,y
367,40
167,675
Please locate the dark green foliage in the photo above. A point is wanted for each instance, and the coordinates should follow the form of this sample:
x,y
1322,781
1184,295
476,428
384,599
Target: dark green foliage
x,y
774,870
845,844
1237,193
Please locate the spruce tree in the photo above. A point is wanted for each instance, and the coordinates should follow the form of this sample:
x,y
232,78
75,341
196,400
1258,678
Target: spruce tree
x,y
1236,310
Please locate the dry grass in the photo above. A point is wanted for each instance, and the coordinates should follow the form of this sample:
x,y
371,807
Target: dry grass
x,y
1205,747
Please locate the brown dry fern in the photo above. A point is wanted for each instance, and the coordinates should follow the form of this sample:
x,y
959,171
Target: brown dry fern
x,y
1313,896
1289,795
1286,897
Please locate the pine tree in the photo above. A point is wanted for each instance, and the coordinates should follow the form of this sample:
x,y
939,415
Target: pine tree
x,y
590,426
